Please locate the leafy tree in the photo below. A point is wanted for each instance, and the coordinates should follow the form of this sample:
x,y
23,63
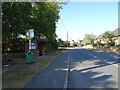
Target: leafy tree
x,y
60,42
45,15
15,21
89,39
108,37
18,17
67,43
63,43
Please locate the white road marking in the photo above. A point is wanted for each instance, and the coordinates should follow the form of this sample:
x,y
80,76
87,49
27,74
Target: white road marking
x,y
107,61
112,63
67,72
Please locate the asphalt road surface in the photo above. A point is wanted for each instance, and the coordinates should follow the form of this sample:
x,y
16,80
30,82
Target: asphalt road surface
x,y
80,68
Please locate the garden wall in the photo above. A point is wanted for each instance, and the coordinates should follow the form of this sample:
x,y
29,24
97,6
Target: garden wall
x,y
107,48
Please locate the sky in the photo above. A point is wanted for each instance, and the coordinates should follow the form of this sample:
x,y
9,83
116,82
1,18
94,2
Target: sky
x,y
80,18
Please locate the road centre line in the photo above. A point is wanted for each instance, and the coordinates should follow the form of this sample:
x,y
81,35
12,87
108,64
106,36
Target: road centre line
x,y
67,72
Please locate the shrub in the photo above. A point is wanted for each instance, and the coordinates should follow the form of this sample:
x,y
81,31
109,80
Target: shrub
x,y
111,44
117,45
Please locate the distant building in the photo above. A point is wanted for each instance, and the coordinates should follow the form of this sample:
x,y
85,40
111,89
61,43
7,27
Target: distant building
x,y
80,41
116,36
100,39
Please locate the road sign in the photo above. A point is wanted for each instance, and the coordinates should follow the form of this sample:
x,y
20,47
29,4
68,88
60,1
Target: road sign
x,y
34,44
31,32
33,47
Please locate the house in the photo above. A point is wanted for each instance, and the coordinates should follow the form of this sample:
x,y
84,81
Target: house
x,y
80,42
117,36
116,33
100,39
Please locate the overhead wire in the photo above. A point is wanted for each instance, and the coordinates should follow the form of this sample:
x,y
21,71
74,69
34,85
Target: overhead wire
x,y
63,24
65,28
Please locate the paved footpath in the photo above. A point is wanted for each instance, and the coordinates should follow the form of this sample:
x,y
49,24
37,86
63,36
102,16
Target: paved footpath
x,y
53,76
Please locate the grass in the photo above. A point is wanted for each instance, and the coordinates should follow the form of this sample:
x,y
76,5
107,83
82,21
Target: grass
x,y
23,73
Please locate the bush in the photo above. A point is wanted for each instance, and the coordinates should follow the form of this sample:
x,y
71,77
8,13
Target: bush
x,y
87,43
111,44
51,45
117,45
82,44
75,45
95,44
102,44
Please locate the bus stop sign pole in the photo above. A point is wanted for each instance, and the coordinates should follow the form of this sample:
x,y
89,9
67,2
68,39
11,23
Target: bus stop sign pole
x,y
30,34
29,40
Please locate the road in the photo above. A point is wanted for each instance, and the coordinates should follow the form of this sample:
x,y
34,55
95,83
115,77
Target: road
x,y
79,68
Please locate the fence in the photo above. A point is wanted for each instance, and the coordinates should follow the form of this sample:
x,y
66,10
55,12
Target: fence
x,y
8,58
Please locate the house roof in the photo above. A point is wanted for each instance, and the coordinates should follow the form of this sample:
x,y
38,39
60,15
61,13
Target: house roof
x,y
100,36
117,32
39,40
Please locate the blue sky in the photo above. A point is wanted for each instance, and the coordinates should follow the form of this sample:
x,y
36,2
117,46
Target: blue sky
x,y
81,18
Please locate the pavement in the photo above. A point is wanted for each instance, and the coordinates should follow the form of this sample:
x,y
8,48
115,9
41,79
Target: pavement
x,y
80,68
53,76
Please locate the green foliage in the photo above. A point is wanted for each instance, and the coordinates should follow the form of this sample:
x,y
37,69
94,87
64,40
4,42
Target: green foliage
x,y
95,44
45,16
62,43
101,44
18,17
109,38
15,21
108,34
51,45
111,44
75,44
14,45
66,43
87,43
82,44
117,45
89,39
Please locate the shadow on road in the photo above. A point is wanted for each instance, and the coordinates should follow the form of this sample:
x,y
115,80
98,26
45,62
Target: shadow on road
x,y
86,69
87,80
90,55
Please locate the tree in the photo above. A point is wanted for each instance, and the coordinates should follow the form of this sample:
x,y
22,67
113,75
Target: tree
x,y
45,15
60,42
108,37
15,21
89,39
18,17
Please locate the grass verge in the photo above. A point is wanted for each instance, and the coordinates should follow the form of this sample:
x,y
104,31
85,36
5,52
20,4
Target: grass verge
x,y
23,73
